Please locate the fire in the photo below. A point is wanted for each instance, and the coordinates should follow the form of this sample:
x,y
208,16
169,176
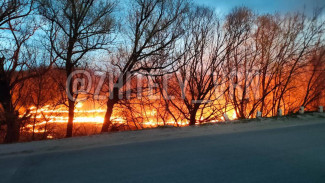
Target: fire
x,y
96,116
90,115
154,124
60,115
47,115
234,115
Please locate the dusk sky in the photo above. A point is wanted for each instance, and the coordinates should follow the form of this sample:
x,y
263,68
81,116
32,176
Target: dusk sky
x,y
265,6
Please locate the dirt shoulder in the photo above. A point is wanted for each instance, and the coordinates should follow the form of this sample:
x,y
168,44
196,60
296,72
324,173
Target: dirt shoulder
x,y
77,143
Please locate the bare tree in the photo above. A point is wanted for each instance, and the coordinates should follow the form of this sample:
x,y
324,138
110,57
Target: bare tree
x,y
238,25
315,74
153,28
300,35
17,61
14,9
77,28
268,62
201,69
266,39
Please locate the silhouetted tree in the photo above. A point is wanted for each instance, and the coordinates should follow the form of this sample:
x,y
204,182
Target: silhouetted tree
x,y
153,28
77,28
17,60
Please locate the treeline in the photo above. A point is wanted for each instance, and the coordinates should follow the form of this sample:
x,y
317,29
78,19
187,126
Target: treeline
x,y
178,61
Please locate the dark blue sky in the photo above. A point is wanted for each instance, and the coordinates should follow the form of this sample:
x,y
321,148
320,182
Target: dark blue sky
x,y
265,6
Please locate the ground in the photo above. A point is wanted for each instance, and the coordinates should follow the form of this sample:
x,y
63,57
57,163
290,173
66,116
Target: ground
x,y
288,149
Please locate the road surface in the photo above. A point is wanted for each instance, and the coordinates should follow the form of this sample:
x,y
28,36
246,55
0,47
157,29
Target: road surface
x,y
289,154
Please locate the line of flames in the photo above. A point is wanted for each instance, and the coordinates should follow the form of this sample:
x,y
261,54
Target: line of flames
x,y
95,116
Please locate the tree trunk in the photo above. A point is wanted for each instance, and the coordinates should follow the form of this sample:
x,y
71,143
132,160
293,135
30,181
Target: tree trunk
x,y
71,102
108,115
12,121
11,118
193,118
13,128
70,120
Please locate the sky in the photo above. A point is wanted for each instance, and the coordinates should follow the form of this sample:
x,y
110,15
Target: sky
x,y
264,6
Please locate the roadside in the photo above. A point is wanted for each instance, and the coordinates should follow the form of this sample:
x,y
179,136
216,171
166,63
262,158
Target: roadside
x,y
111,139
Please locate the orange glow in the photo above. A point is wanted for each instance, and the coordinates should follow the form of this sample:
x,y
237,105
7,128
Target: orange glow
x,y
86,114
47,115
234,115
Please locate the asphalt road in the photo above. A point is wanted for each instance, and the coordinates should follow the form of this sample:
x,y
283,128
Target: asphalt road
x,y
291,154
